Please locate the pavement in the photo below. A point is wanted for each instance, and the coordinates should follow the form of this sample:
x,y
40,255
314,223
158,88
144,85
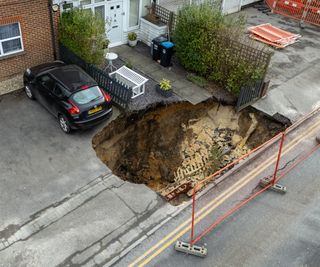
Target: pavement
x,y
293,72
271,230
60,205
141,59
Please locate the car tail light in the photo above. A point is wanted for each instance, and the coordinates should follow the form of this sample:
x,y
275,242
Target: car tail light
x,y
107,97
74,110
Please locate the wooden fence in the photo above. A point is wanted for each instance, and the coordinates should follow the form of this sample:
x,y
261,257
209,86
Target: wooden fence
x,y
166,16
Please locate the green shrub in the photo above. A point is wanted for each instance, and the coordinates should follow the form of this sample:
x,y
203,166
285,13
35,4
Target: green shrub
x,y
194,23
209,44
198,80
84,34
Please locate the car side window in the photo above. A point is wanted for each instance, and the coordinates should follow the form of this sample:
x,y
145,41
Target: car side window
x,y
58,91
47,82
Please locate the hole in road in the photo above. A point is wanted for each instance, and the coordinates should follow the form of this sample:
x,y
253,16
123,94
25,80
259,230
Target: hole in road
x,y
167,146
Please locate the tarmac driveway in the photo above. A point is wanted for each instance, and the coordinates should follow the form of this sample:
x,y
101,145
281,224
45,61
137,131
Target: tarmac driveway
x,y
39,163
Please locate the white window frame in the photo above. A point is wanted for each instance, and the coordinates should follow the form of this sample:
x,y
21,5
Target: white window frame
x,y
2,54
136,27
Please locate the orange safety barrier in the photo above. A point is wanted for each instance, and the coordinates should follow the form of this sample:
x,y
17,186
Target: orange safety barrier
x,y
280,138
272,35
303,10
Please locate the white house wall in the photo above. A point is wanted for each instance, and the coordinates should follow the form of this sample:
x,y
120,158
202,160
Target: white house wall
x,y
232,6
125,19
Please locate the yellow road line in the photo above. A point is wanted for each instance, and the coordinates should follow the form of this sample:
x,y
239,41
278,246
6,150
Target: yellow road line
x,y
197,220
217,200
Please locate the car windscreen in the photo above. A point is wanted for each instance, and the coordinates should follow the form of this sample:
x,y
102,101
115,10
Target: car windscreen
x,y
85,96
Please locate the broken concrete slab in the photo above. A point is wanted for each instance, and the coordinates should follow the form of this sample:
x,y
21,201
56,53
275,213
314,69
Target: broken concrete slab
x,y
298,96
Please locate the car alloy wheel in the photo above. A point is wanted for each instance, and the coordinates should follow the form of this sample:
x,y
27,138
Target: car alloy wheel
x,y
64,124
28,92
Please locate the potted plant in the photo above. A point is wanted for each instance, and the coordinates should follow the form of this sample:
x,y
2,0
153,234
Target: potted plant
x,y
132,39
164,88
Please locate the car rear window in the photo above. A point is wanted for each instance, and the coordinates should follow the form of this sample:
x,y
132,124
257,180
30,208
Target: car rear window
x,y
87,95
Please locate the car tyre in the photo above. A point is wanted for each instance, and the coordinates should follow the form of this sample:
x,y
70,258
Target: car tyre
x,y
28,91
64,124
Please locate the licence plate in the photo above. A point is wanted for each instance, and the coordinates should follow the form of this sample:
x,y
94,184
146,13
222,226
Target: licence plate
x,y
94,110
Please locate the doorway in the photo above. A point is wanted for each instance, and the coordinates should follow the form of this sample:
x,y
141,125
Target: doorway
x,y
112,13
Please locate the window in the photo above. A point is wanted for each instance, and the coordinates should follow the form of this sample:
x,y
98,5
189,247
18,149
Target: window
x,y
10,39
134,13
85,2
58,91
87,95
47,82
144,9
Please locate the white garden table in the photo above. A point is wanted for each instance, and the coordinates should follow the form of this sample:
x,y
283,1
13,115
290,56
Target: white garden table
x,y
131,79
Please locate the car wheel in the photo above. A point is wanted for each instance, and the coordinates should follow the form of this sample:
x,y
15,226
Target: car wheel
x,y
64,124
28,91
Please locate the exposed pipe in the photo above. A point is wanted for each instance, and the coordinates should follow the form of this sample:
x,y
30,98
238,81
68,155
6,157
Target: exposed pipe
x,y
53,37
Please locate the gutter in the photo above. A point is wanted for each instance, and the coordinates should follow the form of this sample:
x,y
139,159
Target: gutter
x,y
53,37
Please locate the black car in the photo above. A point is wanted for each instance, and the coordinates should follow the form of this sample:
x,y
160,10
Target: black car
x,y
69,93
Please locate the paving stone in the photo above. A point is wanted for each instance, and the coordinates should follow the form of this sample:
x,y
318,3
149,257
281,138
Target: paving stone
x,y
2,246
88,253
113,181
118,231
90,263
157,216
181,86
104,255
137,197
130,236
12,239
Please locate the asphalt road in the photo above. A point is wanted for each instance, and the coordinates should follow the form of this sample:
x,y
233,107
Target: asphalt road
x,y
39,163
272,230
59,204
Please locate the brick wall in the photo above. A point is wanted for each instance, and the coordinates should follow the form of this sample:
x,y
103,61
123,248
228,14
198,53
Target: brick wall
x,y
34,20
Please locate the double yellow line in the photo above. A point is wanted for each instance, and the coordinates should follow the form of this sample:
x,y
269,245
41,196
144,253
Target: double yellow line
x,y
207,209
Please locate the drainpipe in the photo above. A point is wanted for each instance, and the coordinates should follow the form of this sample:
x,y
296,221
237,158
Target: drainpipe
x,y
53,37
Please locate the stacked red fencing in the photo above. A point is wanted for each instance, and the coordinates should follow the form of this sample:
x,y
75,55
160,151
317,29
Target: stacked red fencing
x,y
274,36
303,10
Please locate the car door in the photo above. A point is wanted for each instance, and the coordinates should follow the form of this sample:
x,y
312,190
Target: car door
x,y
57,99
46,84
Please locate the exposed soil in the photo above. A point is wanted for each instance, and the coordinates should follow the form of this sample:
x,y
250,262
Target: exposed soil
x,y
166,146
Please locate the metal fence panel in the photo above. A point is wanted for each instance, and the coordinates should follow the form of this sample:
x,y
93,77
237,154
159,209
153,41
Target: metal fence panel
x,y
303,10
121,94
249,94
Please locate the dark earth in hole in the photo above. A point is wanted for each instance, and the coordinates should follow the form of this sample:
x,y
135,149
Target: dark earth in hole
x,y
145,147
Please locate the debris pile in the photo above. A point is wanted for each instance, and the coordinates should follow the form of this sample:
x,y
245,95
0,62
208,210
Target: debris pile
x,y
272,35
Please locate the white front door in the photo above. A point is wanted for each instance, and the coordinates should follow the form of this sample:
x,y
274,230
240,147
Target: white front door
x,y
115,18
112,12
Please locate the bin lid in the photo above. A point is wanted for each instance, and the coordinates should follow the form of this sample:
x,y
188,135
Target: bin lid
x,y
167,44
159,39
